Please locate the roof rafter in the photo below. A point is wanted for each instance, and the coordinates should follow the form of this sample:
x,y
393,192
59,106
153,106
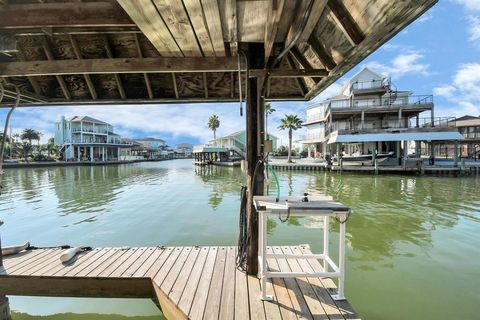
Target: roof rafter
x,y
345,22
108,50
88,80
119,65
145,75
71,14
50,57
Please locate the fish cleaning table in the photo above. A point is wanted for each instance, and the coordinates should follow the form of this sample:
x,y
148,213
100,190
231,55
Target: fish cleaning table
x,y
317,206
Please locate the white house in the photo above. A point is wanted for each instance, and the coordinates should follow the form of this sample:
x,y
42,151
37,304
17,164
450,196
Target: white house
x,y
83,138
370,116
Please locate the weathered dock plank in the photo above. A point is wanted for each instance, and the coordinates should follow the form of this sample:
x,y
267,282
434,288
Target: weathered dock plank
x,y
186,282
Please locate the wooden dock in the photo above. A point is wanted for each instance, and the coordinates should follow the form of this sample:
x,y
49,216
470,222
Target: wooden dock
x,y
186,282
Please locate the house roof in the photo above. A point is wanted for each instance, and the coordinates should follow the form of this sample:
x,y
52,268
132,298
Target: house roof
x,y
86,119
126,51
236,133
467,121
149,139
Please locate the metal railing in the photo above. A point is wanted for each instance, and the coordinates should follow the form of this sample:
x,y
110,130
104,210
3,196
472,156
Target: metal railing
x,y
372,84
438,122
89,130
315,117
385,101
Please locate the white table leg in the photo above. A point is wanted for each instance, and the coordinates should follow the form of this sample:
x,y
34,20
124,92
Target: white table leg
x,y
263,249
341,260
326,233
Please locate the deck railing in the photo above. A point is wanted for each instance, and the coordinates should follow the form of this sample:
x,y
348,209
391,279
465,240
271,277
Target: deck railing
x,y
346,126
386,101
372,84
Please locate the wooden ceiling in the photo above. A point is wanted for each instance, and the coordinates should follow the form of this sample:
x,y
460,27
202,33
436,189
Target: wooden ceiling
x,y
152,51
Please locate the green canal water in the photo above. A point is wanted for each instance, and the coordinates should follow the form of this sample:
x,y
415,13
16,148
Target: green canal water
x,y
413,248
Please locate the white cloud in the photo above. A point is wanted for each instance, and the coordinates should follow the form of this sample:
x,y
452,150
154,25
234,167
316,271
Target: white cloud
x,y
402,64
464,92
474,29
444,91
426,17
469,4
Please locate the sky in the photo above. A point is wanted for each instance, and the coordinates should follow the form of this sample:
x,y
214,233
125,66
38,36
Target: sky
x,y
437,54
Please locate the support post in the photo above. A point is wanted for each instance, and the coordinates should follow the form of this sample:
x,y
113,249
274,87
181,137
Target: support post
x,y
255,120
91,154
405,154
455,154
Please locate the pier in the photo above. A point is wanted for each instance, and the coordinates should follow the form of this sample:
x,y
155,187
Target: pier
x,y
185,282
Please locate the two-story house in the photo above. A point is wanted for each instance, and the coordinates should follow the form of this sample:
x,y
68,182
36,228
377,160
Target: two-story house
x,y
84,138
371,117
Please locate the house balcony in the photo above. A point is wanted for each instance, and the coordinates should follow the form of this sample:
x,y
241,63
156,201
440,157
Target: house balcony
x,y
315,118
89,131
387,104
370,87
86,140
379,126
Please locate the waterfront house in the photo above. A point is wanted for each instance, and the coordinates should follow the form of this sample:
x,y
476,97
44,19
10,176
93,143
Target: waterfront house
x,y
184,149
469,148
83,138
370,116
237,142
149,148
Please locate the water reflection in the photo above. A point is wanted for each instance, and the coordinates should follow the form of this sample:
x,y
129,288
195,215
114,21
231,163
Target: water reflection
x,y
398,222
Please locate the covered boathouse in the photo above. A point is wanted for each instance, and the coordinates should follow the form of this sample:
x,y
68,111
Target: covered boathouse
x,y
168,51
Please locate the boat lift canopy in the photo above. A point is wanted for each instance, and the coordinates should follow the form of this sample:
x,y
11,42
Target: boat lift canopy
x,y
403,136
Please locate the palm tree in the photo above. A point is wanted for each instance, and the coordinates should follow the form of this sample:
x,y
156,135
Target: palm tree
x,y
268,110
291,123
26,148
51,147
30,134
214,124
27,136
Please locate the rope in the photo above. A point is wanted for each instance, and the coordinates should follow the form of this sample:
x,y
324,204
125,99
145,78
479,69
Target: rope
x,y
241,260
66,246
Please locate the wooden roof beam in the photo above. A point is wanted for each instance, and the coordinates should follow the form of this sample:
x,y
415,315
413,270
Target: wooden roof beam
x,y
321,53
120,65
345,22
145,75
211,12
50,57
32,80
300,82
205,85
316,11
231,8
302,60
289,73
271,27
68,14
147,18
108,51
197,18
88,80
